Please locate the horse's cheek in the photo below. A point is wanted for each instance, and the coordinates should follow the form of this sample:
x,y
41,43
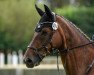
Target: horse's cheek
x,y
56,40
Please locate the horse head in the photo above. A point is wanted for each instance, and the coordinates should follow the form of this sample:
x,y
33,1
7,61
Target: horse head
x,y
45,38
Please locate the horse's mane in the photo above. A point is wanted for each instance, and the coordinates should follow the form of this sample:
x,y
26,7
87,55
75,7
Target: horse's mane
x,y
78,29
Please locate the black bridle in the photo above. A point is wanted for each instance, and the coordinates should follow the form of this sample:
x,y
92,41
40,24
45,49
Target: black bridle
x,y
38,29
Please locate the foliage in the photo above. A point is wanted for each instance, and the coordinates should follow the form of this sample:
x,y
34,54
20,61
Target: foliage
x,y
83,17
87,2
60,3
17,21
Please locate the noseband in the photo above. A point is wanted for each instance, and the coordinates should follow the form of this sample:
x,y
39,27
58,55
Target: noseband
x,y
42,47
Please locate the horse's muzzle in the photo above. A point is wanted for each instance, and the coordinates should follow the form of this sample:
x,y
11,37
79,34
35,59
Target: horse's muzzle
x,y
29,63
32,61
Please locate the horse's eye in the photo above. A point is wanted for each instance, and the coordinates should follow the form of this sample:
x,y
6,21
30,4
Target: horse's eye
x,y
44,33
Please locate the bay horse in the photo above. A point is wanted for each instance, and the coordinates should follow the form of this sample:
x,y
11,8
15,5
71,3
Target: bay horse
x,y
54,31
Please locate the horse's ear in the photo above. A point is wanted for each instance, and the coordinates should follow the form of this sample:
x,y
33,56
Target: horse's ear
x,y
47,11
41,13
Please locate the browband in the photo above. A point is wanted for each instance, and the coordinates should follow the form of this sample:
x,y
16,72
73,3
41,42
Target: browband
x,y
53,25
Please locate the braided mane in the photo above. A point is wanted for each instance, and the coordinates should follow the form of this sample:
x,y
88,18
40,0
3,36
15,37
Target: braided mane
x,y
77,29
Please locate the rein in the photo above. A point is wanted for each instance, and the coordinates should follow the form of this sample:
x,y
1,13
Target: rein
x,y
68,49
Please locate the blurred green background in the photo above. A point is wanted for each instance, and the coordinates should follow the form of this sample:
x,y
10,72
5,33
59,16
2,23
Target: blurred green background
x,y
18,19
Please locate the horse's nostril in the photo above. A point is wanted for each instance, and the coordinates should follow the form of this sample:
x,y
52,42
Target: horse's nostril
x,y
28,60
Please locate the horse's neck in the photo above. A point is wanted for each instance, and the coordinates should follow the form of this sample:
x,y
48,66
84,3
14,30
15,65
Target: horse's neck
x,y
77,60
71,35
74,36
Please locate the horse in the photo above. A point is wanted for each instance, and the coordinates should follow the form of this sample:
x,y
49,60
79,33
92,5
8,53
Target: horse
x,y
56,32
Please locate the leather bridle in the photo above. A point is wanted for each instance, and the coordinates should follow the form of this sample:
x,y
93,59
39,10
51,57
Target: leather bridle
x,y
38,28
